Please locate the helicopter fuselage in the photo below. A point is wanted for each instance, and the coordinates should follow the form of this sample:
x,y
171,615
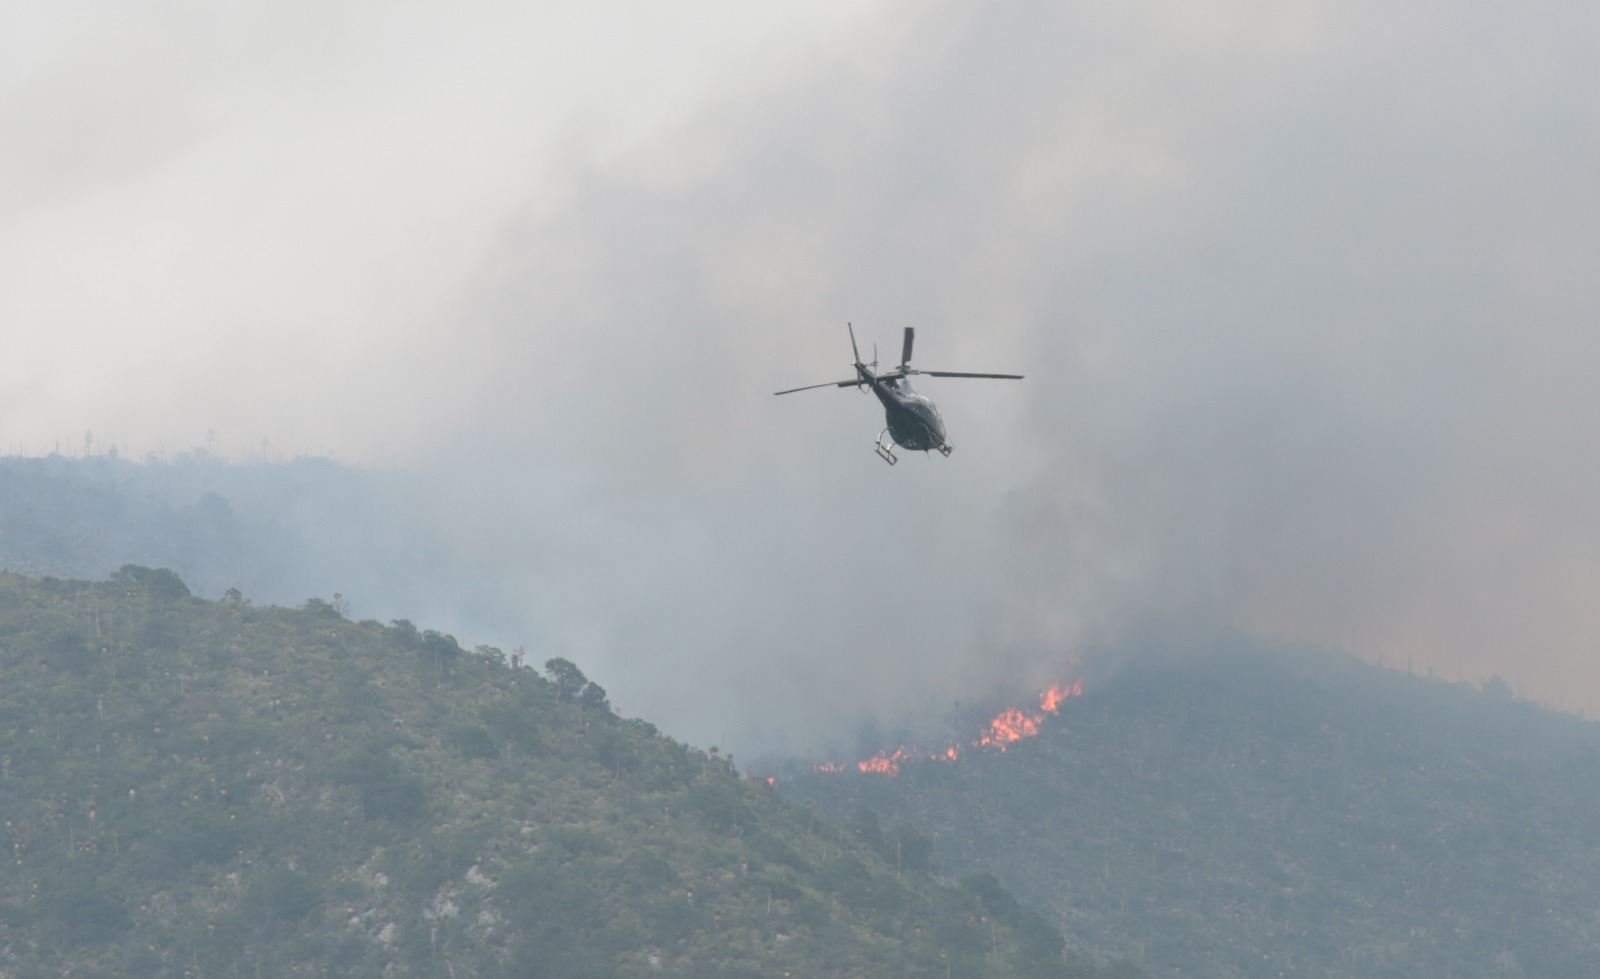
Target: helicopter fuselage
x,y
913,420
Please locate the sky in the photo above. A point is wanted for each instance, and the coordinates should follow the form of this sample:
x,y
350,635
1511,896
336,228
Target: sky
x,y
1303,291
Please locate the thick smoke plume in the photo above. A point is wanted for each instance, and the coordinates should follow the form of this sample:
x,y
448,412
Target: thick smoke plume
x,y
1304,296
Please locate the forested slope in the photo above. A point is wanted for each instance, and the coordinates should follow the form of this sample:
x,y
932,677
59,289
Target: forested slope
x,y
1270,812
215,789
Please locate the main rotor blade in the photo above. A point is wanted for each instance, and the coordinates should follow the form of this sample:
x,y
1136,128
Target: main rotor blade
x,y
830,384
905,351
853,348
1003,377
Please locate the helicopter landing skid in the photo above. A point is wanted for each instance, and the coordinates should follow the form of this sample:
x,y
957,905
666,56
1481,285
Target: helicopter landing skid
x,y
945,448
885,448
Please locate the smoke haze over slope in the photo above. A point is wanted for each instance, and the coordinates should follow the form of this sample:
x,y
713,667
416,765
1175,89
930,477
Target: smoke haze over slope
x,y
1304,295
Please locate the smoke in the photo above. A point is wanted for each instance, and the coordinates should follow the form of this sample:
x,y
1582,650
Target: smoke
x,y
1304,296
1299,292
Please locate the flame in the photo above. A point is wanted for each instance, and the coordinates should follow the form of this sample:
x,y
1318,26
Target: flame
x,y
884,763
1010,725
1050,700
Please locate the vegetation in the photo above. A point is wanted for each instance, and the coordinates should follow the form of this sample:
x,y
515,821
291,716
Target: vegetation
x,y
217,789
221,788
1267,813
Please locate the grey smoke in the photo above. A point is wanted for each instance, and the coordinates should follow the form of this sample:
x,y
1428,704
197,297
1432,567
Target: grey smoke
x,y
1304,295
1302,299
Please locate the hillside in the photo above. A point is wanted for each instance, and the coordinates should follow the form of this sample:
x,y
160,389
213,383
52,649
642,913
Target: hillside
x,y
1266,813
216,789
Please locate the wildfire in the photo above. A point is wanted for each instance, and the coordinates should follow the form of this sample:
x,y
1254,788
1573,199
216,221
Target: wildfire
x,y
1010,725
884,763
1013,724
1050,700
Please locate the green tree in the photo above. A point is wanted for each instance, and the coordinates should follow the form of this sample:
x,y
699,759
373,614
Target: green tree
x,y
593,696
569,680
158,583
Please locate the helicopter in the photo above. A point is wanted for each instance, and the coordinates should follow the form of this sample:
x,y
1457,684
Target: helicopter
x,y
913,421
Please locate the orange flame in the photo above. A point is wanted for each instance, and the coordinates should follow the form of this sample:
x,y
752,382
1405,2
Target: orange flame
x,y
1008,726
1050,700
884,763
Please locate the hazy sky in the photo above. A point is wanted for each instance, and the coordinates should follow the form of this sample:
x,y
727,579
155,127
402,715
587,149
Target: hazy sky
x,y
1305,293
